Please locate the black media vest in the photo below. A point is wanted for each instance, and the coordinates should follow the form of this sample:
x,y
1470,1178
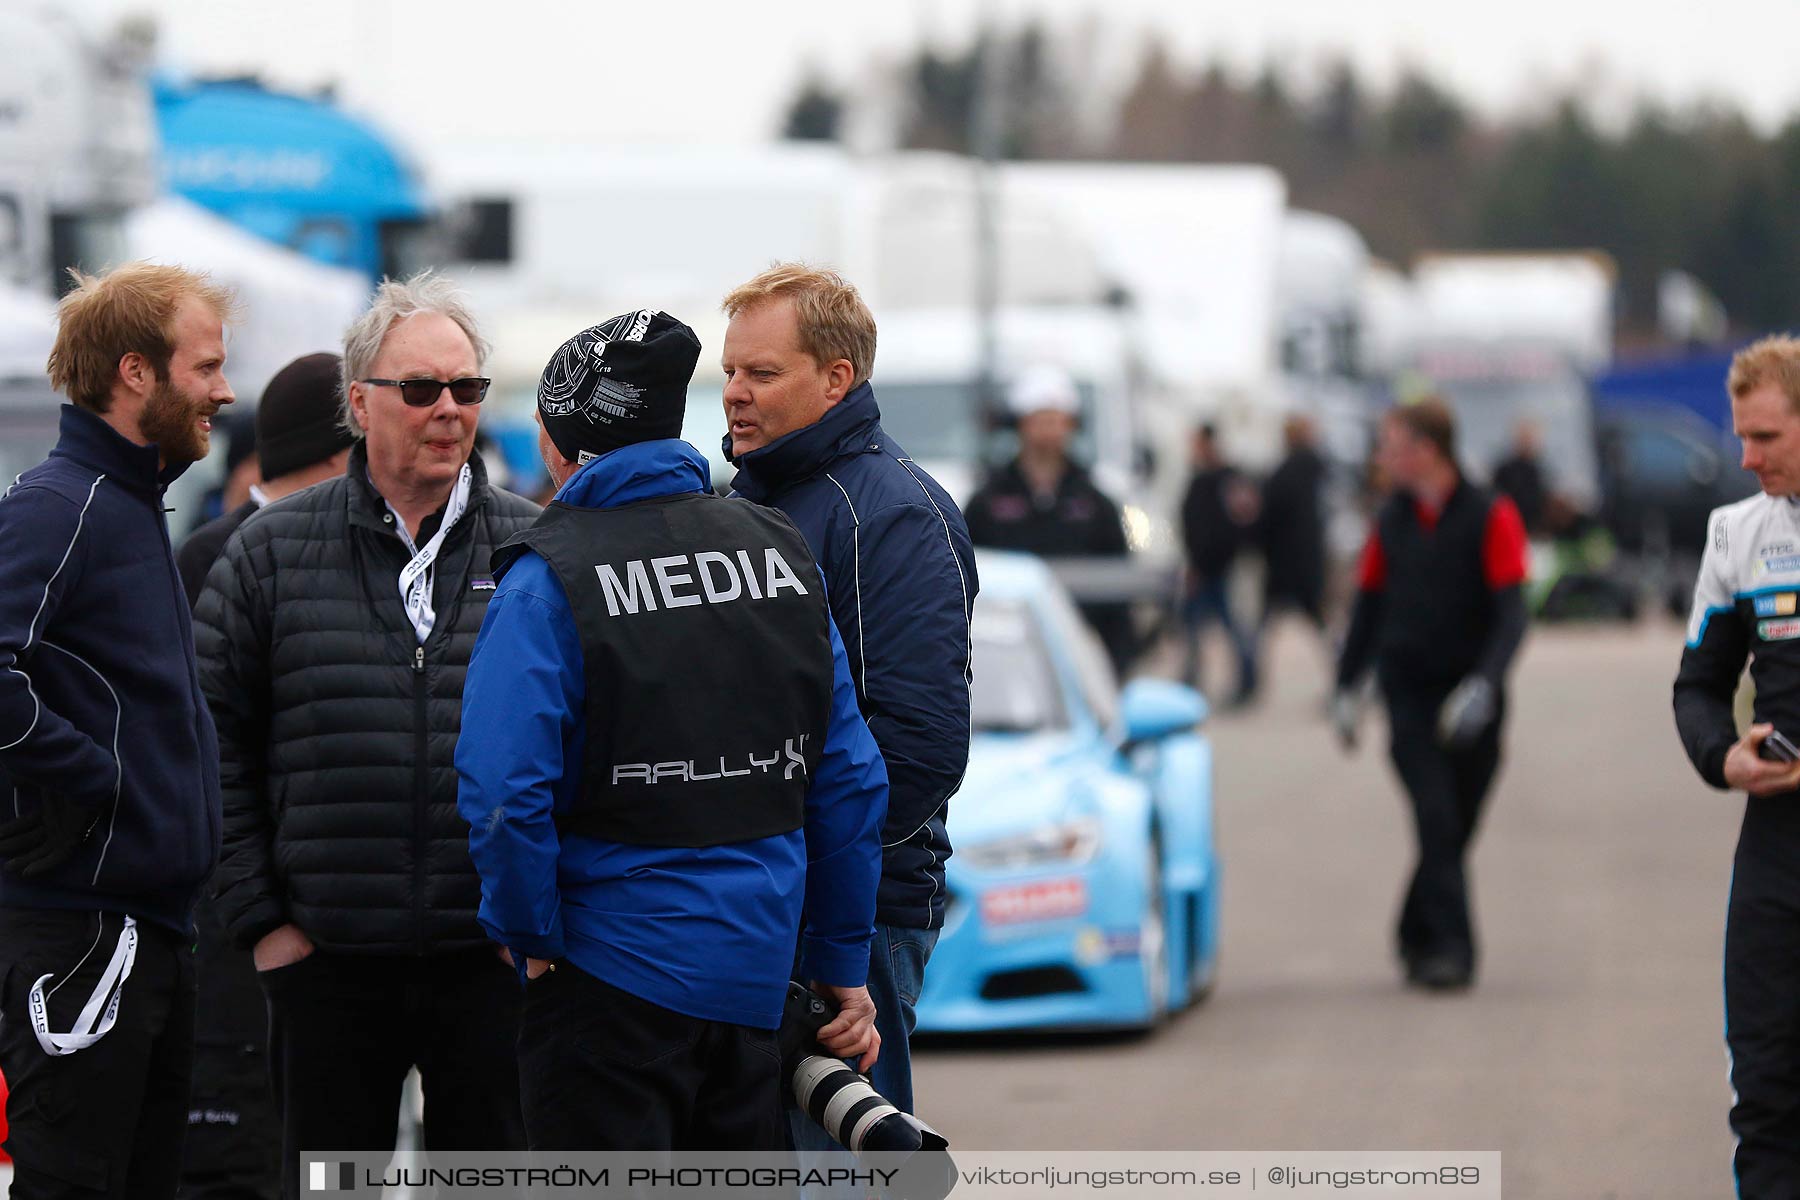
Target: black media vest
x,y
707,653
1438,610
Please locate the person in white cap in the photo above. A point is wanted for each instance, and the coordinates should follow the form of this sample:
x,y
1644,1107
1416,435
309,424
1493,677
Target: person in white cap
x,y
1045,503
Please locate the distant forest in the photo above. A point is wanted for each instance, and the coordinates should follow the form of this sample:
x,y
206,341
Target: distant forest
x,y
1413,168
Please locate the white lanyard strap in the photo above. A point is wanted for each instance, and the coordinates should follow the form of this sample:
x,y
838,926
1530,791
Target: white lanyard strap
x,y
108,992
416,577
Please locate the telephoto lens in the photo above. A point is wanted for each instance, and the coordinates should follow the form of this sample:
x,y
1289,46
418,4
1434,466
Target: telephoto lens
x,y
859,1118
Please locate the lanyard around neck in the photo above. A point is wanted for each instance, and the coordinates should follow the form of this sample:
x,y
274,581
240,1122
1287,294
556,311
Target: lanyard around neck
x,y
416,578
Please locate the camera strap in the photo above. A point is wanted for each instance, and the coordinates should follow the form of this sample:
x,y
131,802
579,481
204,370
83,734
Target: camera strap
x,y
93,1023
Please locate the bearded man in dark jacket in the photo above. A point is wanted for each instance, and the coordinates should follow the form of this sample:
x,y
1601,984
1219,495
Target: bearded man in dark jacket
x,y
334,634
806,435
107,755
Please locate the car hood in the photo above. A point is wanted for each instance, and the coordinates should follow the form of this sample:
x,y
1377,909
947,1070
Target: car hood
x,y
1017,782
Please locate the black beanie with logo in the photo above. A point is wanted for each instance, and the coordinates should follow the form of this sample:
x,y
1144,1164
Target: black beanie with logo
x,y
620,382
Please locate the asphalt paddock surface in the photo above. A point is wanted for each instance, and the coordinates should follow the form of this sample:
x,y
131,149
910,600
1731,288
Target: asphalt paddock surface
x,y
1589,1052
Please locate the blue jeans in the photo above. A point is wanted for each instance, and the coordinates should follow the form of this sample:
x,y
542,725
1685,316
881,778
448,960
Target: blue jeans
x,y
897,958
1210,602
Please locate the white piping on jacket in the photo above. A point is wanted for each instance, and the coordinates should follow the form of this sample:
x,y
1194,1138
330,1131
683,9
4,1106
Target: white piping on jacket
x,y
37,705
118,763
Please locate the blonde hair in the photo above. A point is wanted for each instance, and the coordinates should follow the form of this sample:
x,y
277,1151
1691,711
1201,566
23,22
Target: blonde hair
x,y
833,321
1772,360
129,310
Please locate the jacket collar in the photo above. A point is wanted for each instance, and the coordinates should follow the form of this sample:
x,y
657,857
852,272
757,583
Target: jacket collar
x,y
641,471
86,438
367,508
851,426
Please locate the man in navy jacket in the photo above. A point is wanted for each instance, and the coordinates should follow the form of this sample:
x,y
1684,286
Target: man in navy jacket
x,y
665,775
805,433
107,751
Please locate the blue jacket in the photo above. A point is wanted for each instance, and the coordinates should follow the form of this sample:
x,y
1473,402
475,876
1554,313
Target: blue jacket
x,y
901,576
709,932
98,695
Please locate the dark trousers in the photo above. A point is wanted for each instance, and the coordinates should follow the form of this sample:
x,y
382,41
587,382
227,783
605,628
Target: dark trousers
x,y
1762,1000
233,1149
1210,603
602,1069
107,1120
1304,598
345,1029
1448,789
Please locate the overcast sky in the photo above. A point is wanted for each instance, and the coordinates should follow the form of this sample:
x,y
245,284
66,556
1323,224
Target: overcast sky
x,y
721,70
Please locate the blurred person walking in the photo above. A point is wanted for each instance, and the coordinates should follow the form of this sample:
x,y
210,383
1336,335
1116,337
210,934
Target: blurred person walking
x,y
804,431
1290,530
670,901
234,1135
106,747
1520,475
1440,614
334,633
1220,507
1747,607
1045,503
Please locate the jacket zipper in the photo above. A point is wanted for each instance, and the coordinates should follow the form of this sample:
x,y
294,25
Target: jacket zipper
x,y
421,792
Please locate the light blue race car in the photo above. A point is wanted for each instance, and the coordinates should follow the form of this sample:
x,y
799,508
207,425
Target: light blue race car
x,y
1084,887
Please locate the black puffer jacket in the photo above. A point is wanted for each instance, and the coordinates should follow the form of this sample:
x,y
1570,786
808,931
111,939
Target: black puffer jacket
x,y
337,730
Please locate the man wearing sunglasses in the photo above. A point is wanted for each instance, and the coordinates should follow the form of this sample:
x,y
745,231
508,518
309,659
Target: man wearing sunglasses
x,y
333,634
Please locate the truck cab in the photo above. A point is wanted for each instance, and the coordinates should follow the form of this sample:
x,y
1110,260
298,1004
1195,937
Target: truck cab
x,y
77,154
296,170
927,380
77,145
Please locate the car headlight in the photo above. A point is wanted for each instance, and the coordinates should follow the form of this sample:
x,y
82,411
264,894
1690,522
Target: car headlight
x,y
1074,841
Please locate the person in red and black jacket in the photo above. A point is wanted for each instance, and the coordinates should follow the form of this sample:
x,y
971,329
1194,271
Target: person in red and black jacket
x,y
1440,615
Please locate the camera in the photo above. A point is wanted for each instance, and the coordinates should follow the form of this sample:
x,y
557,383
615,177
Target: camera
x,y
858,1118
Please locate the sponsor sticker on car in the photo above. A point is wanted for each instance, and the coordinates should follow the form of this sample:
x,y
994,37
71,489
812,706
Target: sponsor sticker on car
x,y
1045,900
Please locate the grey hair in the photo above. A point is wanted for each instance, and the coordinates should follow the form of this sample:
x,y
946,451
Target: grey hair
x,y
395,300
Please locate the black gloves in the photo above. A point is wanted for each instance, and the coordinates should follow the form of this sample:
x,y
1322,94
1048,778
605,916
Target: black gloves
x,y
48,836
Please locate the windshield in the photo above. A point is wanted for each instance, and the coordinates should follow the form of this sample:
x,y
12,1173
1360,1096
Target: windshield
x,y
1015,689
91,241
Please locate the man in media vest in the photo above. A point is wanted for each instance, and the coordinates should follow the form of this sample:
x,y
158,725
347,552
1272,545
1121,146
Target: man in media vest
x,y
665,773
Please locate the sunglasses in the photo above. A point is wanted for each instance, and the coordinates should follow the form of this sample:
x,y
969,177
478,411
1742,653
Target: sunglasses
x,y
423,393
